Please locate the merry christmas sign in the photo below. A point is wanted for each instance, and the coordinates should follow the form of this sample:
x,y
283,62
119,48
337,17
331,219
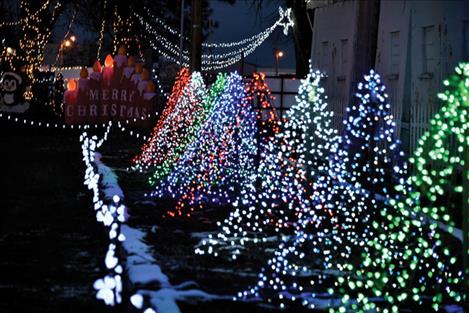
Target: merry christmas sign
x,y
119,91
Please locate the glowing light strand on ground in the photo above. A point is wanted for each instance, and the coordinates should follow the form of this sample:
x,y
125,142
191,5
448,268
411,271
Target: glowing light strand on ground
x,y
111,213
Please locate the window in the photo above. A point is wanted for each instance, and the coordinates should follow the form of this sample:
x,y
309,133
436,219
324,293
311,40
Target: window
x,y
324,56
343,56
429,49
466,40
395,53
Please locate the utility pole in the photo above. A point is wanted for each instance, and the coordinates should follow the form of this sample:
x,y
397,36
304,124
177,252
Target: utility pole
x,y
181,39
196,44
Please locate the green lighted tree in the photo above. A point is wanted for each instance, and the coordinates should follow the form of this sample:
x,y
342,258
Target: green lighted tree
x,y
415,256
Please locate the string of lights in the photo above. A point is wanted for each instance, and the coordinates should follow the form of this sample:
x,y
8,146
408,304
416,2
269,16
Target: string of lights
x,y
30,16
170,50
101,32
58,125
61,47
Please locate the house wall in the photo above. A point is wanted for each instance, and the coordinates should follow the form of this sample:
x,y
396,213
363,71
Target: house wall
x,y
418,45
334,34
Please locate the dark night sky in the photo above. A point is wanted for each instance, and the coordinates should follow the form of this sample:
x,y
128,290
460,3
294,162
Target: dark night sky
x,y
236,22
239,21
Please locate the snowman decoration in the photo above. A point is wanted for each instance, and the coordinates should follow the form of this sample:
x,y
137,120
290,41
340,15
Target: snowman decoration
x,y
11,99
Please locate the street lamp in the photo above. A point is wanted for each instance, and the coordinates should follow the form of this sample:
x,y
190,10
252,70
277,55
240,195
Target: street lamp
x,y
278,54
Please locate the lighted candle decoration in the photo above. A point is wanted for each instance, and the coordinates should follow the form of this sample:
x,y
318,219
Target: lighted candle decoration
x,y
142,84
150,91
220,159
137,75
346,201
130,68
279,195
121,58
96,74
411,259
83,81
70,96
108,69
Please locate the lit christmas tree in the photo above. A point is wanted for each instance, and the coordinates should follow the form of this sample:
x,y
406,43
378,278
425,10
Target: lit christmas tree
x,y
281,195
220,159
346,197
413,260
188,120
154,151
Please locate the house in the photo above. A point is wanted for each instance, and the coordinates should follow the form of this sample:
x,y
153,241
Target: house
x,y
413,45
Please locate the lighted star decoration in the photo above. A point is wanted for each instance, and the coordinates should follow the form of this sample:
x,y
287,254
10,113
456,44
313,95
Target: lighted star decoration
x,y
285,15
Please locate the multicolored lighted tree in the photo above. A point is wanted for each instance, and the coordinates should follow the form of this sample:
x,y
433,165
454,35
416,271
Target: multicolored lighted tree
x,y
412,259
188,120
347,195
220,159
154,152
281,195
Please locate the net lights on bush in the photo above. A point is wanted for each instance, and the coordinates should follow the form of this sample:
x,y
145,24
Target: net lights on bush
x,y
412,261
193,119
153,151
278,194
219,159
342,203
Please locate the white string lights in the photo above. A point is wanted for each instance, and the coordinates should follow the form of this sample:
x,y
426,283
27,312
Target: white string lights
x,y
101,32
346,200
123,126
111,213
210,61
30,16
287,163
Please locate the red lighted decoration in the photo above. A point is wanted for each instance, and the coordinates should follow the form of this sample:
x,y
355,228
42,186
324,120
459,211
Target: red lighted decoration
x,y
110,93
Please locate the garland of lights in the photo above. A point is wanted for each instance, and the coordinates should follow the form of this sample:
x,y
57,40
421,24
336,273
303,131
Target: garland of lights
x,y
30,16
170,50
122,125
153,151
281,198
341,209
70,24
194,121
411,260
221,157
101,32
33,41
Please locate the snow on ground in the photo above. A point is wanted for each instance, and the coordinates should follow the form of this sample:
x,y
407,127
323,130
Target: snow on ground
x,y
141,267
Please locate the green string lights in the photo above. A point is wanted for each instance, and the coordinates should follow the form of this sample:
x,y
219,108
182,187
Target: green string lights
x,y
412,261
